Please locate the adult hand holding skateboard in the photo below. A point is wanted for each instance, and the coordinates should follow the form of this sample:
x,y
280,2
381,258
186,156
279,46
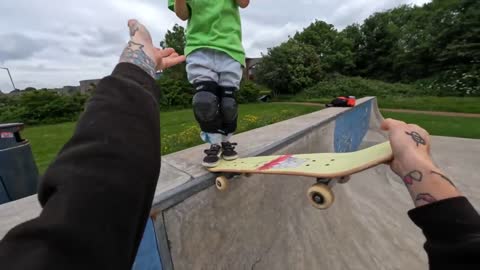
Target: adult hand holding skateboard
x,y
412,162
408,153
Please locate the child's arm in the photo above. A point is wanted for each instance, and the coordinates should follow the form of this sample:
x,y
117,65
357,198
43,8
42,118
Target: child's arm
x,y
181,9
243,3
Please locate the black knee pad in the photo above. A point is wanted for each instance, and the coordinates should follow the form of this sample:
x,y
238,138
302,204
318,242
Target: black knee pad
x,y
206,106
229,109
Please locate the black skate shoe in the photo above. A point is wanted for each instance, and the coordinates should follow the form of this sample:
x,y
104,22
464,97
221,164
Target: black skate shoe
x,y
213,156
229,151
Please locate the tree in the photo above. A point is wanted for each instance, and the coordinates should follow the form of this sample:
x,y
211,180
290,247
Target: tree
x,y
408,43
175,39
174,86
457,33
354,36
380,44
334,50
290,68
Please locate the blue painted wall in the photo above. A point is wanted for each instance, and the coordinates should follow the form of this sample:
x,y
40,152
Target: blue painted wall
x,y
351,127
148,257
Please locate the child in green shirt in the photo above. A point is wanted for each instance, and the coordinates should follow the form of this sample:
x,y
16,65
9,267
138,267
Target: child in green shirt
x,y
215,57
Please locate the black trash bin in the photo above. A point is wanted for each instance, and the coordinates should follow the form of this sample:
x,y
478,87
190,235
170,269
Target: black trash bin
x,y
18,171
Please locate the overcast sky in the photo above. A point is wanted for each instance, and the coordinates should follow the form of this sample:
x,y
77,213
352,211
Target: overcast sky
x,y
60,42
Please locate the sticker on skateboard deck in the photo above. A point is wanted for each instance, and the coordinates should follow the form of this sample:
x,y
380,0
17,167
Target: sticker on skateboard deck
x,y
328,168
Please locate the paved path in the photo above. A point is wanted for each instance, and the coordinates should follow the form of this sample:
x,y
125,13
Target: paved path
x,y
456,114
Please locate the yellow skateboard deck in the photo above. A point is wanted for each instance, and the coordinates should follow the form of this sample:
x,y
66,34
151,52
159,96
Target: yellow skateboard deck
x,y
320,165
326,167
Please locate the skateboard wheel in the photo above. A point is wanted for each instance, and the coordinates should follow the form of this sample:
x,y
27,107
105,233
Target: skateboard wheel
x,y
248,175
343,180
221,183
320,196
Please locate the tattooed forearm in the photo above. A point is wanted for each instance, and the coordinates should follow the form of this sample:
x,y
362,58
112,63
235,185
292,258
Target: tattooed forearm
x,y
412,176
444,178
424,198
134,54
417,138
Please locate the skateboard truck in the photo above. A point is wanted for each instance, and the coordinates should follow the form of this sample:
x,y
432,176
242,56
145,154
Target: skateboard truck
x,y
332,181
221,182
320,194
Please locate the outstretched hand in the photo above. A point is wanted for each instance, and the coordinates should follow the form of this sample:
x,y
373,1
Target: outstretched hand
x,y
167,58
141,52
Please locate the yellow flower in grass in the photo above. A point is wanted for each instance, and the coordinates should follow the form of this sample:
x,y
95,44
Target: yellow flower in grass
x,y
250,119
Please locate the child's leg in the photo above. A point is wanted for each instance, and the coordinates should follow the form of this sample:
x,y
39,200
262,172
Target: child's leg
x,y
230,74
206,102
212,138
201,74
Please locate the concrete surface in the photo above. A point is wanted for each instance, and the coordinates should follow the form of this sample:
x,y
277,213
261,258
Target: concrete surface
x,y
266,222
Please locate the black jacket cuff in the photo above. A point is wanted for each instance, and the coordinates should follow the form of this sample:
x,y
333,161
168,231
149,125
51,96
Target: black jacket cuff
x,y
438,220
133,72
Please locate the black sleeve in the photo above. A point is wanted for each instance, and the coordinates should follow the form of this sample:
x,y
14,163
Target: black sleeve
x,y
97,194
452,230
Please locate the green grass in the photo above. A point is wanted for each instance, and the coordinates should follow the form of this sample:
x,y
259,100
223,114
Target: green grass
x,y
441,104
178,129
441,125
47,140
300,98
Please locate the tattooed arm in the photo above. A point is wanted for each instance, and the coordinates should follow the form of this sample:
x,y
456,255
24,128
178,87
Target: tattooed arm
x,y
141,52
427,183
97,194
134,53
449,222
181,9
411,149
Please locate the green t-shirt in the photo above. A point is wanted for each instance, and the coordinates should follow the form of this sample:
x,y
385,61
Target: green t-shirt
x,y
214,24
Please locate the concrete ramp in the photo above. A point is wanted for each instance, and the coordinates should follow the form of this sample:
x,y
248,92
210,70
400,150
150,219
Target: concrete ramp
x,y
266,221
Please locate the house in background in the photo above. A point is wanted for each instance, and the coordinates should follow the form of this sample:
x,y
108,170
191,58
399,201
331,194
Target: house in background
x,y
249,70
88,85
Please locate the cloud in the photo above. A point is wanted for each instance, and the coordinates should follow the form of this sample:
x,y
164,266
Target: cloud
x,y
102,42
17,46
67,41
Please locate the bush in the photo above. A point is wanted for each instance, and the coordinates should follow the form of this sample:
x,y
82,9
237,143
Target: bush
x,y
42,107
175,92
250,92
453,83
358,87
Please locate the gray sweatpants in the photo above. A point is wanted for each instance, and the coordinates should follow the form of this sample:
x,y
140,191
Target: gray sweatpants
x,y
217,66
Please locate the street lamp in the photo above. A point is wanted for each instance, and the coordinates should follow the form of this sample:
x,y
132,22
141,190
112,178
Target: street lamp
x,y
9,75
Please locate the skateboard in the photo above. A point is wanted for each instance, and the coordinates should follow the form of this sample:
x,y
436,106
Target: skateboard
x,y
327,168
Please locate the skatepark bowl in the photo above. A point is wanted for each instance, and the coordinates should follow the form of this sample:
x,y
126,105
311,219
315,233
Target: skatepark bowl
x,y
267,222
